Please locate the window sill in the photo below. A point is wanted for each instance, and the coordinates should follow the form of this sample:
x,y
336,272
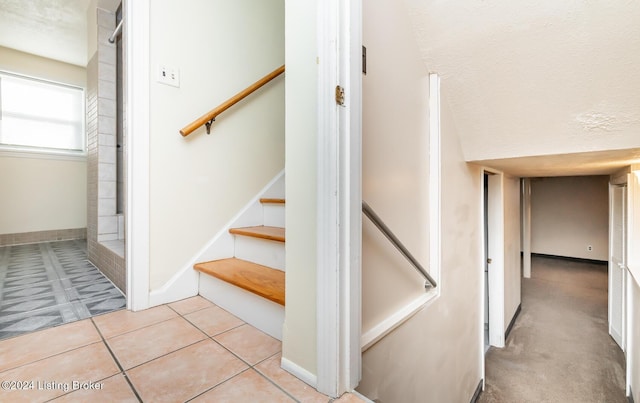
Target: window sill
x,y
38,153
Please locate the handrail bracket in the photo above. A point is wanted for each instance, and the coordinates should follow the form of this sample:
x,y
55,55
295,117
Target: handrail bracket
x,y
208,125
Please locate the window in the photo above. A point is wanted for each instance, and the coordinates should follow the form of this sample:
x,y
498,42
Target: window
x,y
37,114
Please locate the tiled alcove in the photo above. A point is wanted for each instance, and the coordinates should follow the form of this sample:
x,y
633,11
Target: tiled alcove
x,y
105,228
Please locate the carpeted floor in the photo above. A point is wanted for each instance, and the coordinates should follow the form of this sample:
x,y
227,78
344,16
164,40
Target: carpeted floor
x,y
559,349
48,284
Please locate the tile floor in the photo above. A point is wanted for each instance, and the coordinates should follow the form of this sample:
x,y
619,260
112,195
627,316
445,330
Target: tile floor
x,y
51,283
190,350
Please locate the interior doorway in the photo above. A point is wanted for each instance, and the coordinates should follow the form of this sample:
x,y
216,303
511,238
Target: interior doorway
x,y
486,260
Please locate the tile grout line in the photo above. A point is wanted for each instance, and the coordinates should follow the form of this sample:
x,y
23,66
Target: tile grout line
x,y
134,330
250,366
216,385
277,385
122,371
50,356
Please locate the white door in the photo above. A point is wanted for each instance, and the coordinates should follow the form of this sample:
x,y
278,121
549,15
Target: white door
x,y
495,259
617,263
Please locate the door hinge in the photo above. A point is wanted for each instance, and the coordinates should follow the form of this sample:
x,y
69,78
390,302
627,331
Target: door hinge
x,y
339,95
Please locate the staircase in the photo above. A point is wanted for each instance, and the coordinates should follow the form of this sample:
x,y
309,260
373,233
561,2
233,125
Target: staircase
x,y
251,284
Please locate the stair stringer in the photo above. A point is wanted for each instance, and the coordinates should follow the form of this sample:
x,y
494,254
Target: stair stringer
x,y
186,282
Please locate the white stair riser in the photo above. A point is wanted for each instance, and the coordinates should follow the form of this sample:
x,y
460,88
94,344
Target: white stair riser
x,y
261,251
260,313
273,214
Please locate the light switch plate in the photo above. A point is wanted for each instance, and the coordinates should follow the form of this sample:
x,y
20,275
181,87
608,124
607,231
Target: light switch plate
x,y
169,76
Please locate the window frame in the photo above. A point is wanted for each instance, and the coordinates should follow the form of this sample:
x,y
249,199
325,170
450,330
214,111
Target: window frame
x,y
26,151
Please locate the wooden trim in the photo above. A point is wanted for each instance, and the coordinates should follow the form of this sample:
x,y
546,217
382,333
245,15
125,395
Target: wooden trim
x,y
212,114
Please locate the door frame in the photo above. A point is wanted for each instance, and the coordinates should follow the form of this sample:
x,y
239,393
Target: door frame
x,y
496,253
339,199
137,75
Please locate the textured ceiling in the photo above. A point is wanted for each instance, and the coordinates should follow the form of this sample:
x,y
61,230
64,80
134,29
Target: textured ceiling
x,y
546,77
56,29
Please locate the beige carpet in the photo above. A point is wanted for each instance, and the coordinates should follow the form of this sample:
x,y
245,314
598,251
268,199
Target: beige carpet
x,y
559,349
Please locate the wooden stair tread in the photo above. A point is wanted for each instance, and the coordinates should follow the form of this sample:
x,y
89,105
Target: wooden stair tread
x,y
269,200
261,231
261,280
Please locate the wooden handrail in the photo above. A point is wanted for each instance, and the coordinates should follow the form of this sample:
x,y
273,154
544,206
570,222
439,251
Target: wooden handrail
x,y
211,115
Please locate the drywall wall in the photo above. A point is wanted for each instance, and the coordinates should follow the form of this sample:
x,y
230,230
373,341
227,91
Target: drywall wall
x,y
568,214
14,61
512,265
300,329
41,192
198,183
395,162
435,355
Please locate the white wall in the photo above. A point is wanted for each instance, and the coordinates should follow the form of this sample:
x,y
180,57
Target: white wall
x,y
512,265
14,61
434,357
568,214
300,329
198,183
395,161
41,193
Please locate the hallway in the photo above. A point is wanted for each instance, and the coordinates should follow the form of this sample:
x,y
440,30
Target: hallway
x,y
559,349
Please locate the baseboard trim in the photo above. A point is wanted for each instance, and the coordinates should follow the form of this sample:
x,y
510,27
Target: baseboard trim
x,y
476,394
23,238
299,372
572,259
513,321
184,284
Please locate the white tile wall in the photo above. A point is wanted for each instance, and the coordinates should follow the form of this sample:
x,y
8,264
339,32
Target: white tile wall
x,y
103,224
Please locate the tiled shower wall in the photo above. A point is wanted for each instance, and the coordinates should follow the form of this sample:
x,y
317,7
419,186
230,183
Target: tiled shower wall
x,y
102,221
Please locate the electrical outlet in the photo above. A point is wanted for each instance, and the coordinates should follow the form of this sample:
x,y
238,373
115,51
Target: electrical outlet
x,y
169,76
589,248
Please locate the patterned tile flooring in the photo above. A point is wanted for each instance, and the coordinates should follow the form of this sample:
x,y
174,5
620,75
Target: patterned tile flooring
x,y
47,284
